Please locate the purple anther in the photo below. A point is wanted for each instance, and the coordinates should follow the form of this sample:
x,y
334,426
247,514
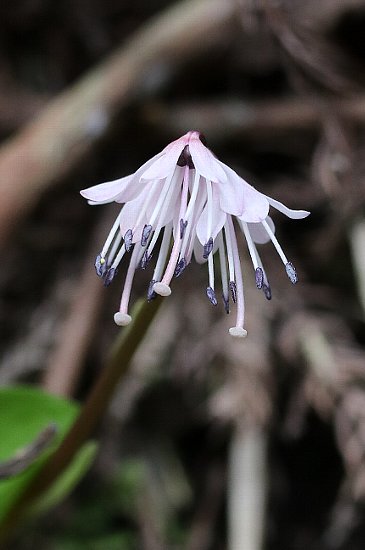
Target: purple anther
x,y
259,277
208,247
183,225
100,265
151,294
128,237
145,234
291,273
145,260
233,289
180,267
267,291
226,302
109,276
211,295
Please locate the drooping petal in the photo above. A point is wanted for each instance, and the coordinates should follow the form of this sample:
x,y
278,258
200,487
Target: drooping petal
x,y
120,190
168,209
129,217
199,251
218,220
258,233
255,204
165,164
106,192
231,195
294,214
205,162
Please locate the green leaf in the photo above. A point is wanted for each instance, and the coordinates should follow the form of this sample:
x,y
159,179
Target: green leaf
x,y
24,413
68,479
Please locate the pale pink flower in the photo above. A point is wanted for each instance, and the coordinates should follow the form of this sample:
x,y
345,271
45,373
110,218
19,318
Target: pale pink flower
x,y
182,202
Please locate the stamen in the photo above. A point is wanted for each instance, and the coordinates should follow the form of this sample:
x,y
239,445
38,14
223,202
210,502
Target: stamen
x,y
123,309
119,256
267,291
145,234
116,245
110,274
180,267
183,225
151,295
145,259
111,236
128,238
259,277
233,289
100,265
225,302
251,246
229,253
238,330
224,276
164,248
291,272
275,242
163,201
211,295
208,247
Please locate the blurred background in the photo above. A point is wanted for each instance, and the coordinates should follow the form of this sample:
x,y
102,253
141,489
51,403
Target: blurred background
x,y
209,443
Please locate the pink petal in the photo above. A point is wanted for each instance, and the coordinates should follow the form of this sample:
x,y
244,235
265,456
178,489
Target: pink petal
x,y
218,220
231,193
205,162
129,216
294,214
166,163
106,192
255,205
199,251
258,232
120,190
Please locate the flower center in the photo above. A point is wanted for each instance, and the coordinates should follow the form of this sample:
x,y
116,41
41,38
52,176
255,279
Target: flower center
x,y
185,158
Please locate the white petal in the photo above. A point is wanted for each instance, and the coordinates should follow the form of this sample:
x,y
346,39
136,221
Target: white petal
x,y
199,251
165,164
129,216
258,233
106,192
255,205
205,162
119,190
294,214
218,220
231,194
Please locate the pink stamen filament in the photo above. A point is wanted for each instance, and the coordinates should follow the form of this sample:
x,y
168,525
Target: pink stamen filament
x,y
170,269
129,279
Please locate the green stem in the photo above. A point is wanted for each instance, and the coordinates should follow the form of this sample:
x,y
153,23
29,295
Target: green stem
x,y
91,413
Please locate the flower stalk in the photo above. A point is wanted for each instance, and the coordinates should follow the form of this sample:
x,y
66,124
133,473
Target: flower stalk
x,y
91,413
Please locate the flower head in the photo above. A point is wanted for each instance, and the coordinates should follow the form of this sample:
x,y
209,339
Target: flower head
x,y
183,202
